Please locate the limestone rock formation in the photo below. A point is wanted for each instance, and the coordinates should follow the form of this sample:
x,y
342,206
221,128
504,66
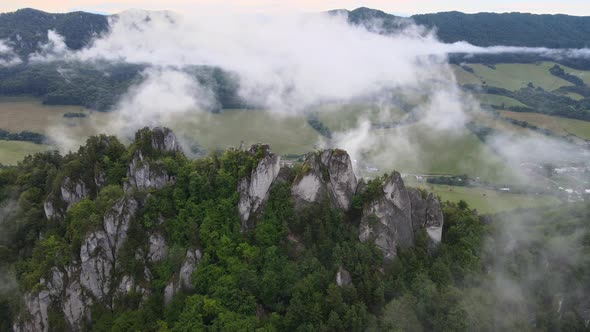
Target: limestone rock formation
x,y
343,277
183,279
73,191
255,188
327,173
342,180
427,213
164,140
36,305
145,174
392,218
90,279
158,248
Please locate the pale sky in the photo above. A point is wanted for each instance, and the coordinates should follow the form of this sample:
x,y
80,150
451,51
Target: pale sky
x,y
400,7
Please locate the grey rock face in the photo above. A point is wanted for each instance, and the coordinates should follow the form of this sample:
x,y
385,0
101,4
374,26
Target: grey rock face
x,y
163,139
392,219
395,191
329,173
100,248
188,267
309,187
343,278
96,264
343,182
55,283
117,220
75,306
193,257
427,213
142,175
387,220
50,212
169,291
254,189
73,191
158,248
434,219
36,305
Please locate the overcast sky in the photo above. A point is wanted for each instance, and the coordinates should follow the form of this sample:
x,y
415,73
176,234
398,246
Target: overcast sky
x,y
400,7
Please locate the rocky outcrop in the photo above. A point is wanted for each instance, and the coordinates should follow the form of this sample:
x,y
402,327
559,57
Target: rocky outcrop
x,y
97,262
343,278
310,186
99,249
193,257
75,305
73,191
70,192
183,279
36,305
392,218
164,140
255,188
50,211
427,214
144,174
157,248
327,173
342,181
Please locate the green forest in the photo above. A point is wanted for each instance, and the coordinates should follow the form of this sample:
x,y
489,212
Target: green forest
x,y
281,274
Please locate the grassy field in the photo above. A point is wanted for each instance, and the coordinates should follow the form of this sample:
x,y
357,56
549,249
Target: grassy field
x,y
286,134
411,148
512,76
344,117
489,201
560,126
465,77
12,152
583,74
417,149
497,100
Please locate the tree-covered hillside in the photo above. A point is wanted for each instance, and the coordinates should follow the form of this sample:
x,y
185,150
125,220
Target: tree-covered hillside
x,y
140,238
491,29
26,29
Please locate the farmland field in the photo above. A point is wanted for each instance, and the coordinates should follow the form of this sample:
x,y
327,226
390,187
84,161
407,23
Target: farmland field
x,y
489,201
12,152
497,100
560,126
511,76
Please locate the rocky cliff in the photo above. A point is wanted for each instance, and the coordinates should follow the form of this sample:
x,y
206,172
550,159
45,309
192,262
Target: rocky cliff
x,y
122,251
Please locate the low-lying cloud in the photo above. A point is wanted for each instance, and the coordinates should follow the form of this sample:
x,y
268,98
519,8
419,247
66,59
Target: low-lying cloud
x,y
290,64
7,55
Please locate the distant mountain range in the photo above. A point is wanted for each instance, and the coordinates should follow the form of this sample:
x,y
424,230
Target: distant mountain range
x,y
27,28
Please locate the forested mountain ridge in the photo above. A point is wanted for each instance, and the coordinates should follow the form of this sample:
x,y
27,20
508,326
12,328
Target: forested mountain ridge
x,y
115,238
489,29
26,29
